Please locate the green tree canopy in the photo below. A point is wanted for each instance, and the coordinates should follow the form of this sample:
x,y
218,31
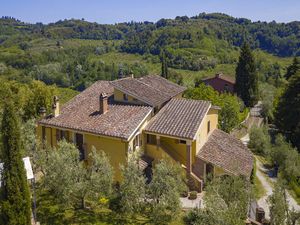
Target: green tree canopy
x,y
15,199
72,181
293,68
132,189
164,191
259,140
226,202
246,85
288,111
164,65
229,115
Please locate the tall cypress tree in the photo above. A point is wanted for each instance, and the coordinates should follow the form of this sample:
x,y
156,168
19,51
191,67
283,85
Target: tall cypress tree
x,y
15,200
164,65
246,85
293,68
288,110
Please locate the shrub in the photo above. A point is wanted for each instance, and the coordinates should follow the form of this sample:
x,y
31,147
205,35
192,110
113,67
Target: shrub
x,y
184,194
193,195
296,187
259,141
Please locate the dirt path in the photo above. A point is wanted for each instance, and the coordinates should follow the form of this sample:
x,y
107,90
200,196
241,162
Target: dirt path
x,y
268,183
262,202
261,172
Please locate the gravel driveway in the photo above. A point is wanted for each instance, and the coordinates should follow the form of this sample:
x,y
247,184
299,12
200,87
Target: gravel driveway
x,y
261,172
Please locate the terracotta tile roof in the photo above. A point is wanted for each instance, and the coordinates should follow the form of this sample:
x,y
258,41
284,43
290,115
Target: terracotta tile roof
x,y
222,77
151,89
227,152
163,85
179,117
82,114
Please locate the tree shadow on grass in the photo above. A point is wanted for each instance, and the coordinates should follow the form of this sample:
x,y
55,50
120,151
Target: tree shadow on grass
x,y
50,212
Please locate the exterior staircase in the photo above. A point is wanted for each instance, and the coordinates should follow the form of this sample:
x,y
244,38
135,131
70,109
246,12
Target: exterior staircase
x,y
193,181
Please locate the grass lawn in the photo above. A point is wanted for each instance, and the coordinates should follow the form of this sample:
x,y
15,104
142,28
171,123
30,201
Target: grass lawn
x,y
294,195
49,212
259,190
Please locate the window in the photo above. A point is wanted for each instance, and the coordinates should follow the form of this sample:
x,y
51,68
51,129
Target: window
x,y
182,141
125,97
43,134
208,126
226,88
62,134
151,139
137,141
80,145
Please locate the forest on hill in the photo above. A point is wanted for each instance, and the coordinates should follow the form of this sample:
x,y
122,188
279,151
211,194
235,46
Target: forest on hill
x,y
40,61
75,53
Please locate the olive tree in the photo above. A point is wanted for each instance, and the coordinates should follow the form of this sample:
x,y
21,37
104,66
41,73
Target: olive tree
x,y
72,181
164,191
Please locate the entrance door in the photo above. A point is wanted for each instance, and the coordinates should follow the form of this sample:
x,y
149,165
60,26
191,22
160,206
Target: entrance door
x,y
209,171
79,144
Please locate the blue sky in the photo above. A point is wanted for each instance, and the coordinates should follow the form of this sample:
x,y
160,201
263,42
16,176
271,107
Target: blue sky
x,y
113,11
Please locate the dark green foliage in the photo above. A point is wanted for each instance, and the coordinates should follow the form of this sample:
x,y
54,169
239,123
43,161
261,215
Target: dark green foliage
x,y
28,98
287,158
230,113
246,85
53,54
164,190
278,206
70,181
226,202
193,195
145,37
164,65
293,68
15,200
288,111
132,188
259,140
273,75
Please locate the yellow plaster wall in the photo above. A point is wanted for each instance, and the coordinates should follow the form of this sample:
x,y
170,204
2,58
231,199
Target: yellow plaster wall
x,y
118,96
115,149
140,130
157,153
174,145
202,135
178,150
219,171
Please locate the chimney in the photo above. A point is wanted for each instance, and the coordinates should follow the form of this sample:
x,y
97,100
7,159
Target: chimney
x,y
42,112
103,103
55,106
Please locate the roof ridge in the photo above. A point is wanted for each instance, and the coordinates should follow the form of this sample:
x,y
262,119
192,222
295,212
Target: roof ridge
x,y
131,105
190,99
138,79
114,84
154,75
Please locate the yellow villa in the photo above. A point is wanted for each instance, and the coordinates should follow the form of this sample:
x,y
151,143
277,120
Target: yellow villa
x,y
149,115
